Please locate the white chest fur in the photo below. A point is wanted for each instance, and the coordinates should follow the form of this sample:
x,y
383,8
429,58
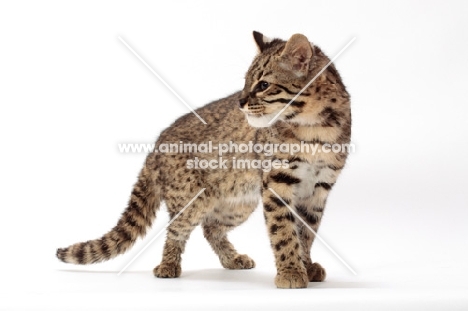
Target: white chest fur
x,y
310,174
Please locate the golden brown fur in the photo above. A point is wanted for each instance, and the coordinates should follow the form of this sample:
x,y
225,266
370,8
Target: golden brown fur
x,y
320,115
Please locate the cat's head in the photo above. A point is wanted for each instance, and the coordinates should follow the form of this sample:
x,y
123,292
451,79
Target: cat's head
x,y
277,74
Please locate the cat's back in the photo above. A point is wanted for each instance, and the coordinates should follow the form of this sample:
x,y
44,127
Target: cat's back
x,y
224,122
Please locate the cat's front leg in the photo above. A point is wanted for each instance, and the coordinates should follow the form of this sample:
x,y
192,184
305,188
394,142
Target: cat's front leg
x,y
284,238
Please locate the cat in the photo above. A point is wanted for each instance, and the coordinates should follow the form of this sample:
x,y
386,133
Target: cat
x,y
320,115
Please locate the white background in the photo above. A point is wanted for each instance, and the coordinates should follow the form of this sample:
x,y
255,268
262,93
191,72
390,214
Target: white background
x,y
70,92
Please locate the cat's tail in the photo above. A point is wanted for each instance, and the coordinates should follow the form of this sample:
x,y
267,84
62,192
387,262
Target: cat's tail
x,y
136,218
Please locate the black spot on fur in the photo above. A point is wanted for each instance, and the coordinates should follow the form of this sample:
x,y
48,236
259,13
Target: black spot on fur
x,y
285,179
104,248
277,201
324,185
335,168
290,217
311,219
273,229
281,244
123,234
331,117
286,90
173,232
79,253
295,159
268,208
129,220
298,103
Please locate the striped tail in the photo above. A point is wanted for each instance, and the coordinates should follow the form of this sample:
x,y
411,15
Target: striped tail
x,y
137,217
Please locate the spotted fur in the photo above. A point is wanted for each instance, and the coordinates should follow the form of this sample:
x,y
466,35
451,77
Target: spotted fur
x,y
320,115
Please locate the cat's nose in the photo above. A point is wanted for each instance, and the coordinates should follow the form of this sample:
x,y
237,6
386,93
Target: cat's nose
x,y
242,102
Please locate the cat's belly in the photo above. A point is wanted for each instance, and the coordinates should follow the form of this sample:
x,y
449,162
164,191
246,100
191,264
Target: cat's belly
x,y
234,210
251,197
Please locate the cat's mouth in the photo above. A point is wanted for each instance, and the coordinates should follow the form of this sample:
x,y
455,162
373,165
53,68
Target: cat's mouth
x,y
254,113
260,119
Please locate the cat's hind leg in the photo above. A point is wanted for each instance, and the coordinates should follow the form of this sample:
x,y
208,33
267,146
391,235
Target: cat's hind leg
x,y
215,228
178,233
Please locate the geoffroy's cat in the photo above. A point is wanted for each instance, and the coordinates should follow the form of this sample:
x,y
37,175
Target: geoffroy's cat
x,y
266,111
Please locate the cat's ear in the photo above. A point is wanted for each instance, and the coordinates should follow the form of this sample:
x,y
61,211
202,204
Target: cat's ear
x,y
261,41
297,55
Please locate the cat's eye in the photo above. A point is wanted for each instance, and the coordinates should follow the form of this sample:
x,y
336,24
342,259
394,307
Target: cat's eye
x,y
263,85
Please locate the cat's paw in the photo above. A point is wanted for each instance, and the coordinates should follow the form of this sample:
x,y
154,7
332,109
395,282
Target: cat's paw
x,y
239,262
316,272
164,270
291,279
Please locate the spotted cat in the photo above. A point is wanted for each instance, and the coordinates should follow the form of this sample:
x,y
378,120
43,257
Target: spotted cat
x,y
266,111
